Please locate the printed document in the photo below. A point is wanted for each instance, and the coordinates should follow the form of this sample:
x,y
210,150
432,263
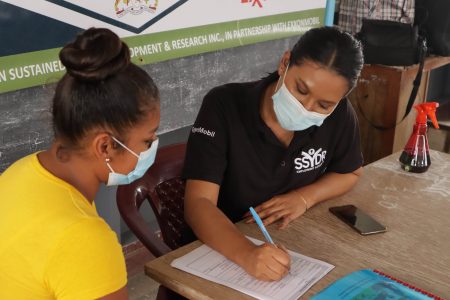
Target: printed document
x,y
209,264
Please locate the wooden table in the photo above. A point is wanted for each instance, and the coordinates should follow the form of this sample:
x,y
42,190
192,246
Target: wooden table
x,y
416,248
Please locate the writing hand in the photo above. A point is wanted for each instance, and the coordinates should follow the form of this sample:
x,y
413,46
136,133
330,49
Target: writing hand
x,y
267,262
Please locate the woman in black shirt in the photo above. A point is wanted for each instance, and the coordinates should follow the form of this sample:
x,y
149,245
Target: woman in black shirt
x,y
281,144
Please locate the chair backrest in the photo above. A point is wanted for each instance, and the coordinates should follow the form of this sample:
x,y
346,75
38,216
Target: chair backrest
x,y
163,187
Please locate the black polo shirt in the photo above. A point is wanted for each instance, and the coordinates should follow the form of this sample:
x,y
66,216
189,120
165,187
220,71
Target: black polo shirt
x,y
230,145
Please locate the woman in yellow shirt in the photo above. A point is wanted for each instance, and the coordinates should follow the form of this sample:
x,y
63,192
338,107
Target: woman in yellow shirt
x,y
105,111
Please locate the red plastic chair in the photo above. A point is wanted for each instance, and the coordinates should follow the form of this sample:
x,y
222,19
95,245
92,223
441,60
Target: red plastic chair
x,y
163,187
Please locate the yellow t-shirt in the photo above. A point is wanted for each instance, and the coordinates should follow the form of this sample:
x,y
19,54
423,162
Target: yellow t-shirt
x,y
53,244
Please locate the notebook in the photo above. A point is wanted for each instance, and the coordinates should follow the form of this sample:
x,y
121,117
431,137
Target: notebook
x,y
370,285
210,264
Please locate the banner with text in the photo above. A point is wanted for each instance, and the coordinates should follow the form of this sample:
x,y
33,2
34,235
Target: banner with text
x,y
154,30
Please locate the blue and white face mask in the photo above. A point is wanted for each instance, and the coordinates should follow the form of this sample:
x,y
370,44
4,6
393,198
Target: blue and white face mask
x,y
145,160
291,113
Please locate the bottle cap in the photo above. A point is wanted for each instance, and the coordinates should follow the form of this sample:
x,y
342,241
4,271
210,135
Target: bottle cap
x,y
427,109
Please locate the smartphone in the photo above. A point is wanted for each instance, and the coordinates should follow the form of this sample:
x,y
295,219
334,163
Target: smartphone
x,y
357,219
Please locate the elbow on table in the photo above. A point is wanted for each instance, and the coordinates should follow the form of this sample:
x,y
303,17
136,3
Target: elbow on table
x,y
358,172
355,177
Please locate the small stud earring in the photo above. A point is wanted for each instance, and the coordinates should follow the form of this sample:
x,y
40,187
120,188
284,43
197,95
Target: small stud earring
x,y
107,160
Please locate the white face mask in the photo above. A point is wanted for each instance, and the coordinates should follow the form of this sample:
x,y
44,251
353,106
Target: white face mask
x,y
145,160
291,114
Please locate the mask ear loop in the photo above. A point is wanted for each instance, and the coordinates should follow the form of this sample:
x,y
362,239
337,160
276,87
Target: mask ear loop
x,y
284,76
107,160
121,144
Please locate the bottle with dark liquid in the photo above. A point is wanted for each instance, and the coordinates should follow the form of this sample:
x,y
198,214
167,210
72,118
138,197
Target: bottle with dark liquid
x,y
416,155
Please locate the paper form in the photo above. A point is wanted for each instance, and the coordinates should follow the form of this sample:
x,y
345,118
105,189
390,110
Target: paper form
x,y
209,264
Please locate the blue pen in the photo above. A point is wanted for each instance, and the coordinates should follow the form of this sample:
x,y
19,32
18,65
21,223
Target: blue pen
x,y
261,225
263,228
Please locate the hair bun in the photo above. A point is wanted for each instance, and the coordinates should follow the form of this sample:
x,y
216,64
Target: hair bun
x,y
96,54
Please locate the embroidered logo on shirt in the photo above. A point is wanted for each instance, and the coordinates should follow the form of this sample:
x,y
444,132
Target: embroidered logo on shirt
x,y
310,160
203,131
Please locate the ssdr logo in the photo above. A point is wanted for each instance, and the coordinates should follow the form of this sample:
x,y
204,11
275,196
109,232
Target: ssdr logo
x,y
310,160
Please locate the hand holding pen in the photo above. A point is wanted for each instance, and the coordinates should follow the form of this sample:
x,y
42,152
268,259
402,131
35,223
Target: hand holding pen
x,y
271,261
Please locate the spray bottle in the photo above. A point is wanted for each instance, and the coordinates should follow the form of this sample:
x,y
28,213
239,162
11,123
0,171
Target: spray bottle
x,y
416,155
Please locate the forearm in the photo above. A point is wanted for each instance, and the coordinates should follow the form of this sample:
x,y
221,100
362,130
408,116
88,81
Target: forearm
x,y
328,186
214,229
